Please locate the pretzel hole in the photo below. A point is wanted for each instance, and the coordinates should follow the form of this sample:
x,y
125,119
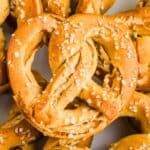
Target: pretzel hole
x,y
106,74
78,102
40,67
135,124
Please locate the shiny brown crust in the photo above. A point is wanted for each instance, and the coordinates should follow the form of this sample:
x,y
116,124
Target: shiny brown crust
x,y
133,142
25,9
94,6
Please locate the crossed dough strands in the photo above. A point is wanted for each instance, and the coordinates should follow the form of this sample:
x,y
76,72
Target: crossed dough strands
x,y
52,143
77,34
138,22
133,142
62,7
46,110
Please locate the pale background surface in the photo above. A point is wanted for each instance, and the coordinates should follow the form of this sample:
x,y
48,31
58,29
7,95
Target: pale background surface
x,y
112,133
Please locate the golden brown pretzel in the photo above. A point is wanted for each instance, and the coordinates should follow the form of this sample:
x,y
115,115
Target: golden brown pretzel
x,y
4,10
25,9
138,22
63,7
51,117
133,142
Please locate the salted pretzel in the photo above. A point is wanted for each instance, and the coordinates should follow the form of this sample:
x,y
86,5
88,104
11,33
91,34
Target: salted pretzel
x,y
63,7
46,109
133,142
25,9
138,22
4,10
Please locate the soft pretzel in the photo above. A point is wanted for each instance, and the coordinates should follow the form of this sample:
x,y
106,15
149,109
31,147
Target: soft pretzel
x,y
63,7
46,110
4,10
133,142
138,22
25,9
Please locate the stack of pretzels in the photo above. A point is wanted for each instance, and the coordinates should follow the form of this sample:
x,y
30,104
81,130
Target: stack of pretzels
x,y
100,69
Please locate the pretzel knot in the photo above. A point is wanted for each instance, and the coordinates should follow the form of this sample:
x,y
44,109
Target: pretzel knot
x,y
73,105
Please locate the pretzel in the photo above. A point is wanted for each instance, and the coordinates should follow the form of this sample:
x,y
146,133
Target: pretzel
x,y
133,142
25,9
4,10
63,7
48,116
138,22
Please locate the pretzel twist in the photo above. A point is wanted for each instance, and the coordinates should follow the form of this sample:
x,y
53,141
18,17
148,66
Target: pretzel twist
x,y
46,110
